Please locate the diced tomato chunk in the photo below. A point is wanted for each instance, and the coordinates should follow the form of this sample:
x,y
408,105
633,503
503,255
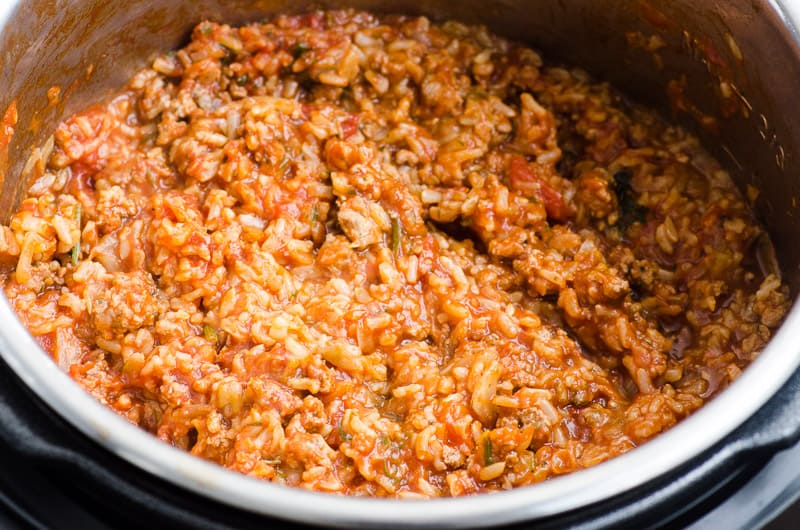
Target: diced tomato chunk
x,y
523,179
350,126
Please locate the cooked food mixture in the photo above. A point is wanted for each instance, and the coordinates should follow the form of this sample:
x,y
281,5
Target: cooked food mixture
x,y
381,256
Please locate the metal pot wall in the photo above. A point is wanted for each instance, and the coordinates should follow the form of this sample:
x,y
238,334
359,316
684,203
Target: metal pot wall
x,y
736,65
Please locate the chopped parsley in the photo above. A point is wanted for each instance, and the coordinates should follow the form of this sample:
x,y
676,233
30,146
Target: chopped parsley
x,y
630,211
344,435
210,333
487,450
397,234
76,250
299,49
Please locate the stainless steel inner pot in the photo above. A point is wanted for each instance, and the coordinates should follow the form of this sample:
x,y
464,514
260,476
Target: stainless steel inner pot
x,y
736,64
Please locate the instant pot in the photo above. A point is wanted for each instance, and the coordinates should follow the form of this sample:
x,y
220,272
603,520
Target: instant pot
x,y
729,70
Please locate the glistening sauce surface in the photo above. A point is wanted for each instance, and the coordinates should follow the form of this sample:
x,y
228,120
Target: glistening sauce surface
x,y
381,256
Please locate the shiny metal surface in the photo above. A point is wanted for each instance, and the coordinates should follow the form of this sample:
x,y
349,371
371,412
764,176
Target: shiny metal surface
x,y
89,48
763,499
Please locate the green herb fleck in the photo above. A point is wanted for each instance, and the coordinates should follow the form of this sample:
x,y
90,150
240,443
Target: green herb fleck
x,y
479,93
228,58
630,211
389,472
397,234
622,181
242,79
210,333
299,49
487,450
76,250
344,435
315,214
206,29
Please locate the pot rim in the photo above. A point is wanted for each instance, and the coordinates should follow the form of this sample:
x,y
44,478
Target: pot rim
x,y
668,451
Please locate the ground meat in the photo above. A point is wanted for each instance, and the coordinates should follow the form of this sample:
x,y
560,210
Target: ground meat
x,y
128,302
380,256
